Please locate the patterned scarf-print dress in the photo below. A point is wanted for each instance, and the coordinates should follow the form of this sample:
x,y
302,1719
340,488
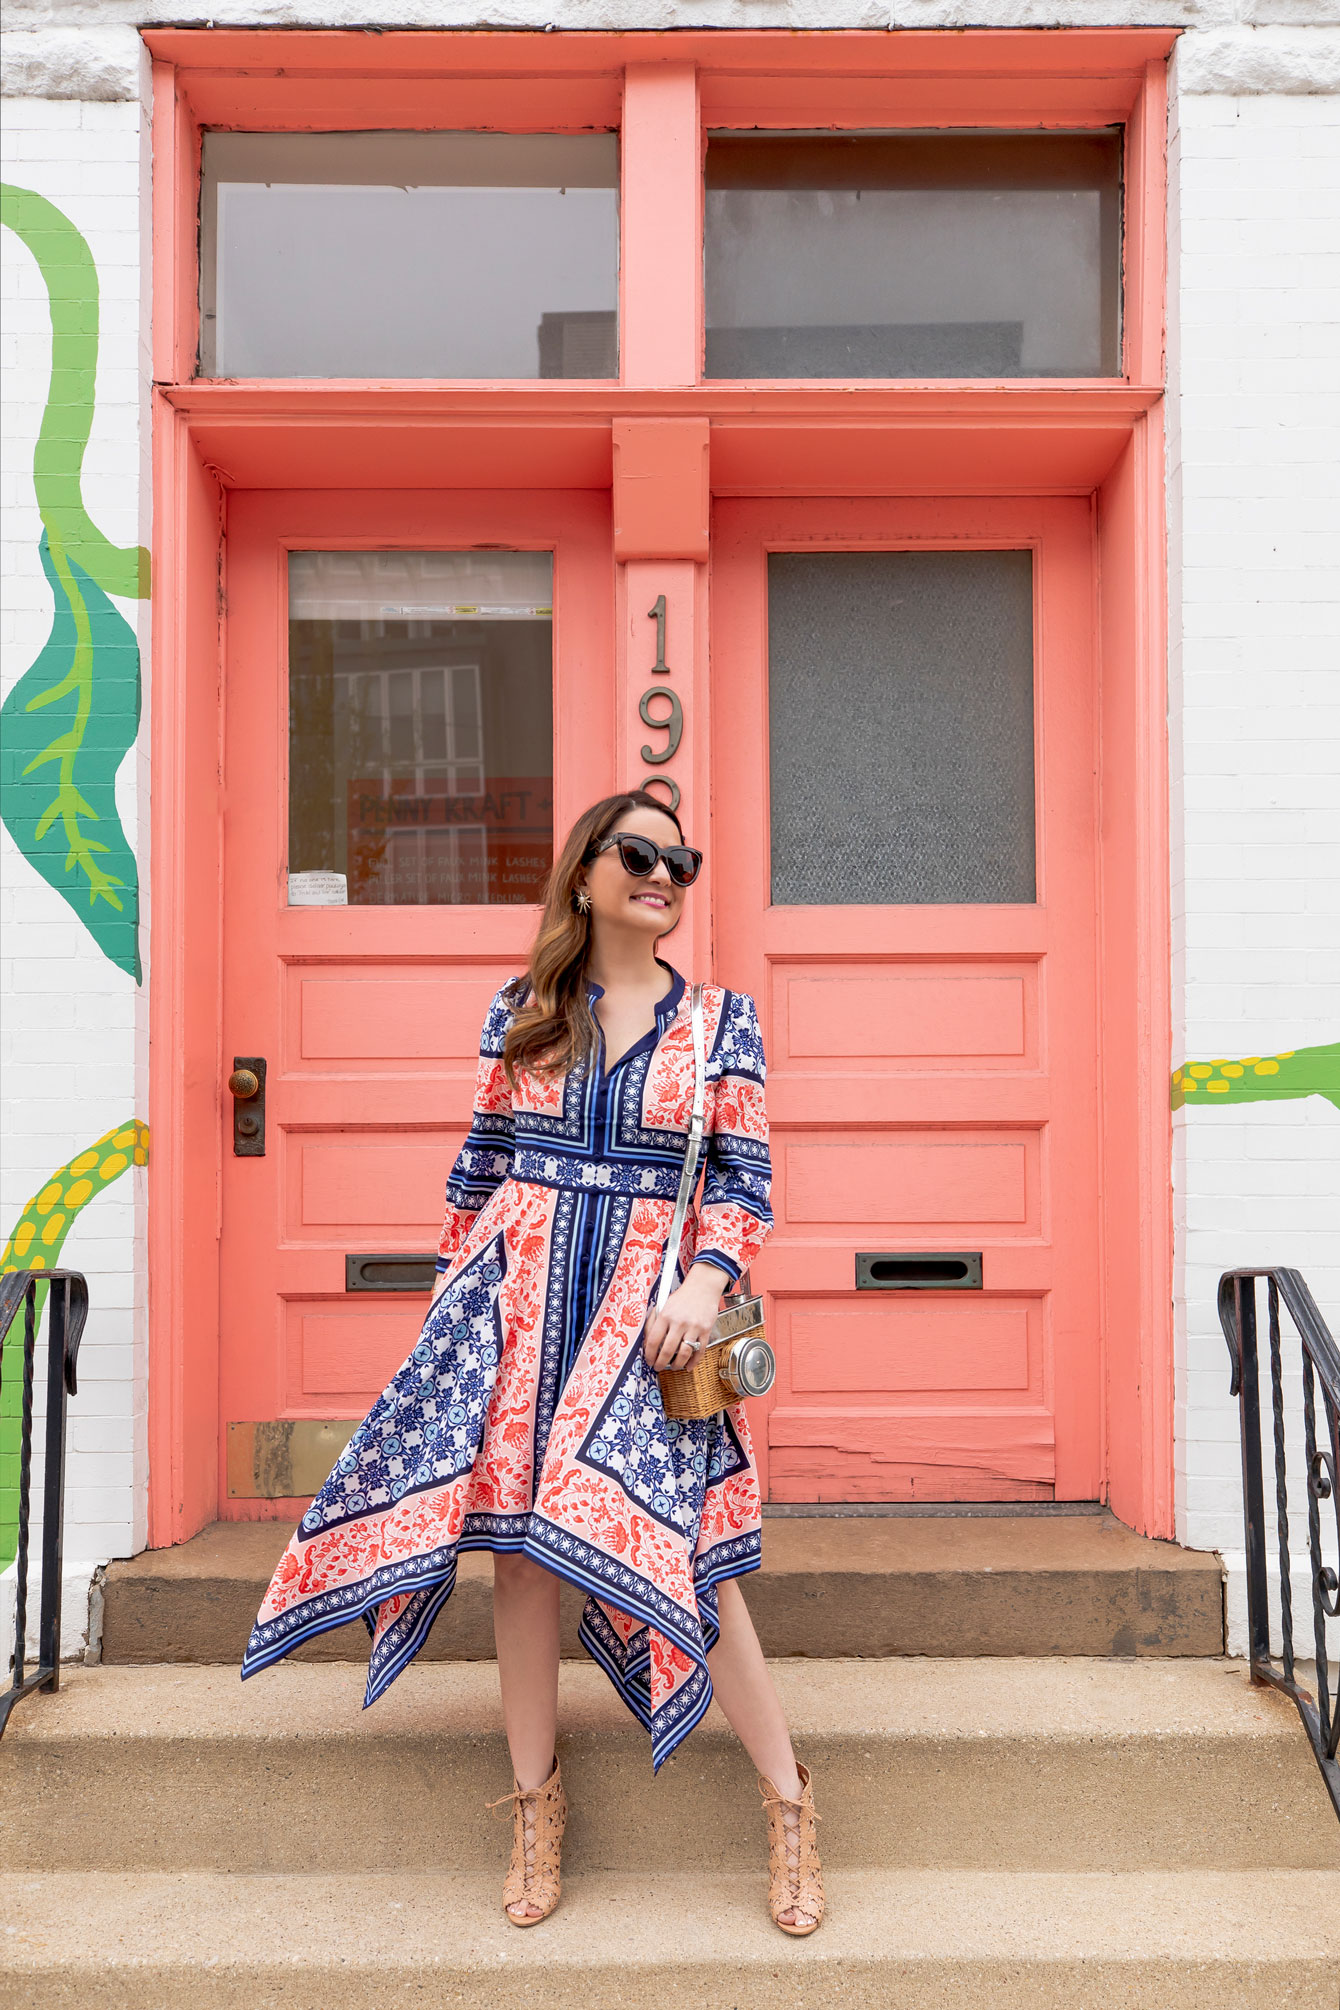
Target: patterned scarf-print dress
x,y
526,1419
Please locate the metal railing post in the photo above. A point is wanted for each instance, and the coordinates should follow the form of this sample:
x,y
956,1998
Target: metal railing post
x,y
53,1484
1253,1481
1320,1713
25,1482
67,1309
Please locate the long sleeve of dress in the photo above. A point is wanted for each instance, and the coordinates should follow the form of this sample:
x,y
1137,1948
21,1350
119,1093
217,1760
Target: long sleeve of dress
x,y
484,1160
735,1215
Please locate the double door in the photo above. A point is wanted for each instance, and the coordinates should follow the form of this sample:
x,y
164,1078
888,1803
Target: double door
x,y
421,694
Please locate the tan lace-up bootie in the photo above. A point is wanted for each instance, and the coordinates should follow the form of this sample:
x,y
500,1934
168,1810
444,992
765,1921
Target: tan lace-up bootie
x,y
795,1879
533,1878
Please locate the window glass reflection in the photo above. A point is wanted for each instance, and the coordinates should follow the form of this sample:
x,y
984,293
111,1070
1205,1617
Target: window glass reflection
x,y
420,727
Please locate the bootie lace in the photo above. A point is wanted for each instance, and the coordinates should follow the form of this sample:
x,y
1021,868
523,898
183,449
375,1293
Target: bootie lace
x,y
795,1880
539,1815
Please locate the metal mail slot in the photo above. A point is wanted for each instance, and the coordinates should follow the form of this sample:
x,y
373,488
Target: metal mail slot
x,y
396,1272
919,1270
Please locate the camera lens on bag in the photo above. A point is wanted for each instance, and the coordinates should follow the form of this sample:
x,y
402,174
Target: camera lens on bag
x,y
750,1367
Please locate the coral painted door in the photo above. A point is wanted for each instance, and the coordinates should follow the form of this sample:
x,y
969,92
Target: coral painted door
x,y
903,826
416,696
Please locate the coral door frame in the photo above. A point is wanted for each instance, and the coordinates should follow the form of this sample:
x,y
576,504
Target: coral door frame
x,y
1098,438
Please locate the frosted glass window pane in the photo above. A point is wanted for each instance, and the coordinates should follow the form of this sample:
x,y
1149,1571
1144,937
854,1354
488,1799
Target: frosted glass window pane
x,y
388,254
900,690
421,745
914,255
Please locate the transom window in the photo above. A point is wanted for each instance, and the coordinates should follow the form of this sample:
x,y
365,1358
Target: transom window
x,y
390,254
914,255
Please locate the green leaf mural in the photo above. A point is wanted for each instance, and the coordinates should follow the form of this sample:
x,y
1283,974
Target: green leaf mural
x,y
71,280
67,724
65,729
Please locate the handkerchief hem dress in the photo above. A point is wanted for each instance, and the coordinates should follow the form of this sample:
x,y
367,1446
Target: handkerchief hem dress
x,y
525,1418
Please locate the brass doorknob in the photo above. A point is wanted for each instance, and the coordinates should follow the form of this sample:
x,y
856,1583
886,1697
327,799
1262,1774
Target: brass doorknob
x,y
243,1082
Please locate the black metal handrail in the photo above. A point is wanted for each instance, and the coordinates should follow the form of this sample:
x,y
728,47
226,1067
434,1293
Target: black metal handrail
x,y
67,1309
1320,1371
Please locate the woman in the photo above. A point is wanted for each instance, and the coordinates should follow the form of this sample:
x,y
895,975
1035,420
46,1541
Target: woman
x,y
528,1419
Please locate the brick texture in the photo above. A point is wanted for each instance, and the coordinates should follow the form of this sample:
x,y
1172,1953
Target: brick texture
x,y
1254,329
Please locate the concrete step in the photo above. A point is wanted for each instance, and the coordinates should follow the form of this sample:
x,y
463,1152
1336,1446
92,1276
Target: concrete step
x,y
960,1585
347,1940
1056,1765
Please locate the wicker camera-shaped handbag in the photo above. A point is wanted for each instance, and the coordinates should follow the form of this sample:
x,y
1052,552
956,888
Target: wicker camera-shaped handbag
x,y
737,1361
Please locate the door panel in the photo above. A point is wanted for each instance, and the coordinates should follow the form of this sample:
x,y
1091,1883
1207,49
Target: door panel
x,y
899,1346
333,1353
368,1013
363,1180
359,1015
931,1057
939,1016
926,1177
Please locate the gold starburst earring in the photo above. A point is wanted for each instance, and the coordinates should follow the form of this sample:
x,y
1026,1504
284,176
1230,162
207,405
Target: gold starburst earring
x,y
582,900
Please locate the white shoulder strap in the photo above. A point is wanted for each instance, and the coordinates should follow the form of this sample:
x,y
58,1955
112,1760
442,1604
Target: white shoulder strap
x,y
689,1174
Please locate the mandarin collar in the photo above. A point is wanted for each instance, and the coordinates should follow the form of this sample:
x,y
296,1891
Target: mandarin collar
x,y
666,1007
669,1005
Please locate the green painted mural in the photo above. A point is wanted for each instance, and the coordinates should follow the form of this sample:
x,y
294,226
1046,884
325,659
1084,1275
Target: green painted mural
x,y
65,728
70,719
1260,1078
35,1244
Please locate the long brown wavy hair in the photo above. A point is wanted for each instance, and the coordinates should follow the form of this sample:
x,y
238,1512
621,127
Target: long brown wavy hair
x,y
552,1027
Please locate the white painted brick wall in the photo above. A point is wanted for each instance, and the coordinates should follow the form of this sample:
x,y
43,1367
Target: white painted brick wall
x,y
1254,445
1254,508
73,1033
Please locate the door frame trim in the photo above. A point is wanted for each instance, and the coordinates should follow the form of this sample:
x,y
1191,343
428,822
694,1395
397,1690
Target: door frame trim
x,y
185,989
185,993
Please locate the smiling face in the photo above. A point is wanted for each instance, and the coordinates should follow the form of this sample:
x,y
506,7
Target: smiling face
x,y
650,906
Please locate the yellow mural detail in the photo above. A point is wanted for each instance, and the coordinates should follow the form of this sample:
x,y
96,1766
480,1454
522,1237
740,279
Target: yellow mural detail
x,y
35,1243
38,1235
1260,1078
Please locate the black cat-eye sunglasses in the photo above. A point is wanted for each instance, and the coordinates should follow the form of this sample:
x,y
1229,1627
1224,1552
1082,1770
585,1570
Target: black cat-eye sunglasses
x,y
638,856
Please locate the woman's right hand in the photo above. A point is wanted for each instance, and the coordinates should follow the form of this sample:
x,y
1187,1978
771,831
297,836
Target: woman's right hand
x,y
674,1336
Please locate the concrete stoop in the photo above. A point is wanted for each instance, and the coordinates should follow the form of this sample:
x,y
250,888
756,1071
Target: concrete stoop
x,y
1041,1789
1056,1765
1047,1834
908,1940
829,1586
